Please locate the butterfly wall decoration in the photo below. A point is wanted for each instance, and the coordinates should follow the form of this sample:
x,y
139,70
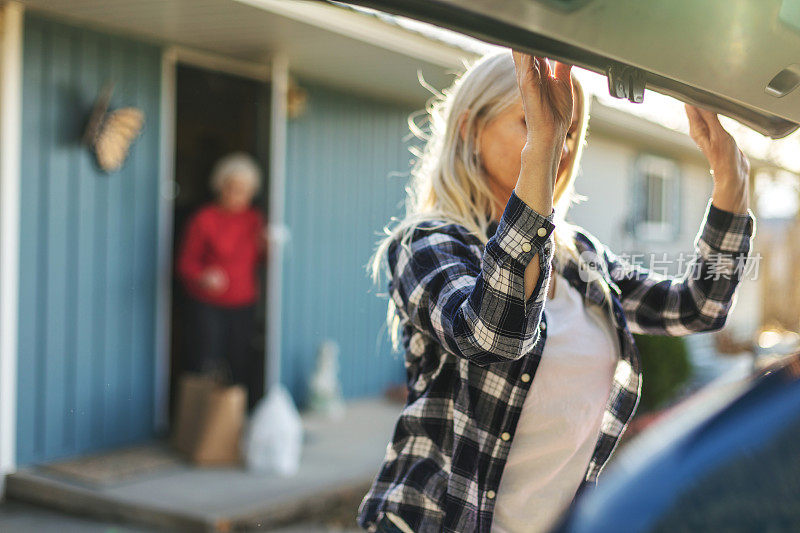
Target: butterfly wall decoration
x,y
110,134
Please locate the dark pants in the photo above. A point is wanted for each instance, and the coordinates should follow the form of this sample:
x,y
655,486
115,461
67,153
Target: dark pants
x,y
218,335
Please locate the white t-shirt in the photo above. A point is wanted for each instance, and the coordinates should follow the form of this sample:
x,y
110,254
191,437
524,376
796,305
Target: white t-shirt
x,y
560,420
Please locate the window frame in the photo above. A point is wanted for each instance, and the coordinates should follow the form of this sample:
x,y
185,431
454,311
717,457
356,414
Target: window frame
x,y
642,227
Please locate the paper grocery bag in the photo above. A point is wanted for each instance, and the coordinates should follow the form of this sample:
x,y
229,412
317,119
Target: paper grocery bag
x,y
192,391
209,420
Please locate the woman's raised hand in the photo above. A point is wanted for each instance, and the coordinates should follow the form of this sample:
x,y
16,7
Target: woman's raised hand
x,y
547,101
729,165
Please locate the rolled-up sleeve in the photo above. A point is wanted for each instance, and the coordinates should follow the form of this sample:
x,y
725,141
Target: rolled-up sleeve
x,y
702,297
474,304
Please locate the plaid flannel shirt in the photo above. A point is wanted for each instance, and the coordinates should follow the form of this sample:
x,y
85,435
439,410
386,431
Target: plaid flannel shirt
x,y
473,342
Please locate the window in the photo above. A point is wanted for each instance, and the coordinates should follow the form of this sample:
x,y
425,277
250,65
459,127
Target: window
x,y
777,195
656,206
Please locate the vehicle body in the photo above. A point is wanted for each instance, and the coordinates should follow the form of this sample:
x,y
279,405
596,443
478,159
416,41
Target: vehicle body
x,y
725,459
736,58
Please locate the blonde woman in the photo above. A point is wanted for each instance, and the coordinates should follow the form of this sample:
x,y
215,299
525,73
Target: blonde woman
x,y
521,369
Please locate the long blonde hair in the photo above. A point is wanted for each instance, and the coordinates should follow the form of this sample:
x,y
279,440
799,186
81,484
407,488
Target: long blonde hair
x,y
447,180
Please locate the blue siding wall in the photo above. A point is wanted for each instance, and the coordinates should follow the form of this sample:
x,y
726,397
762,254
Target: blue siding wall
x,y
87,272
346,170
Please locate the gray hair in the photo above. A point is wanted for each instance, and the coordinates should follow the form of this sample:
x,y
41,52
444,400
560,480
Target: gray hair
x,y
240,164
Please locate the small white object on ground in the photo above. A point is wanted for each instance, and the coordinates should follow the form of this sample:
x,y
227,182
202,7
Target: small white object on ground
x,y
326,391
273,438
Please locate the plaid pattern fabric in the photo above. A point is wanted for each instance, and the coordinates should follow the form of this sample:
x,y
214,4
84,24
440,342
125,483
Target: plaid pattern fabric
x,y
473,342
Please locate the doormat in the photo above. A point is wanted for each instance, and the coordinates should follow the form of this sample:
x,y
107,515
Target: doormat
x,y
117,466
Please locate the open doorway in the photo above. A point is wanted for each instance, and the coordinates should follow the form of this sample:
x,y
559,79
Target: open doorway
x,y
216,114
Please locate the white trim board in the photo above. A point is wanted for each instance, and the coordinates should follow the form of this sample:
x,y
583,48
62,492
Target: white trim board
x,y
279,72
367,29
166,201
11,26
219,63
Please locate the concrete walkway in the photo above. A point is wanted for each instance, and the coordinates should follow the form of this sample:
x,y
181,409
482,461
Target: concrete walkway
x,y
340,459
18,517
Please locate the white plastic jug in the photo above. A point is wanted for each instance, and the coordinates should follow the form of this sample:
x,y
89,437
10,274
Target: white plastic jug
x,y
273,438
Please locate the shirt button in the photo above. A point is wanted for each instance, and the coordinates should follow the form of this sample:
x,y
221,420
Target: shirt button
x,y
490,494
525,377
526,247
541,232
542,326
505,436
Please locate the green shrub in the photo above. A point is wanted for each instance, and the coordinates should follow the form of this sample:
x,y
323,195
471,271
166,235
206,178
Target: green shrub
x,y
665,369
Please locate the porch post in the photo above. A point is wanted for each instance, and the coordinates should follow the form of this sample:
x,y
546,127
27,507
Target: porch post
x,y
279,86
11,21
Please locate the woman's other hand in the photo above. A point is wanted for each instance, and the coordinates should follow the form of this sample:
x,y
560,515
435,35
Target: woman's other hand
x,y
214,280
729,165
547,101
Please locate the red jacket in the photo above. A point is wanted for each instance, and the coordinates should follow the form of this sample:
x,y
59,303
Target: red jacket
x,y
215,237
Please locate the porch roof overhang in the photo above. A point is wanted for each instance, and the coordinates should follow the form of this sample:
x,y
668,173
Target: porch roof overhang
x,y
322,42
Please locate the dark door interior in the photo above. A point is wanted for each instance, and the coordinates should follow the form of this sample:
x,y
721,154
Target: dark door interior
x,y
215,114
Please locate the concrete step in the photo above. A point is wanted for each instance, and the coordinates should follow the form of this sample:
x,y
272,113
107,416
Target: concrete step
x,y
339,460
41,489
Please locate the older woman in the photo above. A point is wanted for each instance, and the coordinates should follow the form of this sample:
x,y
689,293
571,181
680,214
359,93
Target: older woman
x,y
522,372
224,243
